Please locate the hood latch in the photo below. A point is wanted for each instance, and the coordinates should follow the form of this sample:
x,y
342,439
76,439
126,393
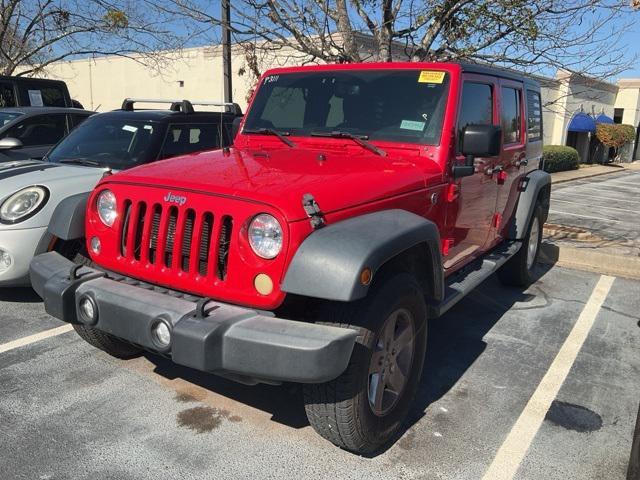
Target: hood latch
x,y
313,211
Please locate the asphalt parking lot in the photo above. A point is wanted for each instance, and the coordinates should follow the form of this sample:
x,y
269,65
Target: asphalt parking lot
x,y
606,208
68,411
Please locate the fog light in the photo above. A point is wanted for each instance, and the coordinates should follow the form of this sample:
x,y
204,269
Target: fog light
x,y
95,245
88,310
263,284
5,261
161,334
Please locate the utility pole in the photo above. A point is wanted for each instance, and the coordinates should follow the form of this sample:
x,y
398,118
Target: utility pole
x,y
226,49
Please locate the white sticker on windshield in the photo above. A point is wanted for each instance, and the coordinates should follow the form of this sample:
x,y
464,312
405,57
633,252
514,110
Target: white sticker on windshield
x,y
35,98
412,125
148,127
130,128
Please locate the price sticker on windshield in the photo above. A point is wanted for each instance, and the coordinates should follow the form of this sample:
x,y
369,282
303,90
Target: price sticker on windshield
x,y
431,76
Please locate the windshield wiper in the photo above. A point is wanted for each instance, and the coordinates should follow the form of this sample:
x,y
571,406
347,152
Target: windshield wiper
x,y
80,161
270,131
359,139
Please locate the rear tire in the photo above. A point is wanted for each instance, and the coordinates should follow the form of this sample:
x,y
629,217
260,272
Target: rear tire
x,y
519,269
365,407
106,342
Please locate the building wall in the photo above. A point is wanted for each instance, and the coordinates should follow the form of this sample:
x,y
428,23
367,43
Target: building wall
x,y
196,74
629,99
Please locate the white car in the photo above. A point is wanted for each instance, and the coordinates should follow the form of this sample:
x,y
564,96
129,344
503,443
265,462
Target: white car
x,y
31,190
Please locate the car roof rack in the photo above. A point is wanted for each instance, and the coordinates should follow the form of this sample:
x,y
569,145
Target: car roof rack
x,y
184,106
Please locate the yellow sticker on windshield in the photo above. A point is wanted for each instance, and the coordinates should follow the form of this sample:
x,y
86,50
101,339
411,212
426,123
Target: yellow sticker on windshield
x,y
431,76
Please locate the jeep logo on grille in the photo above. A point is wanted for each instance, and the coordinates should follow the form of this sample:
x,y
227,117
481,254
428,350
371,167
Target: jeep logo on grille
x,y
171,198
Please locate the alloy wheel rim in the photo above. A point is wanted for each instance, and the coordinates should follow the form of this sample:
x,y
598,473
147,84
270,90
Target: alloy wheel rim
x,y
532,247
391,361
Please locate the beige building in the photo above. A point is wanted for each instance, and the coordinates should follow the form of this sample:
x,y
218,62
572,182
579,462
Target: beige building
x,y
569,96
196,74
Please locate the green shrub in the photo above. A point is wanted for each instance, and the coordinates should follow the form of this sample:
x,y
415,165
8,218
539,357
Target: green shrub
x,y
558,158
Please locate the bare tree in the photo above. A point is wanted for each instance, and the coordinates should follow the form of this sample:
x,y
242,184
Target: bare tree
x,y
36,33
540,36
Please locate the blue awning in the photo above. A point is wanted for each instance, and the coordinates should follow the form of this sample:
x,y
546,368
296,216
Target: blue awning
x,y
582,122
602,118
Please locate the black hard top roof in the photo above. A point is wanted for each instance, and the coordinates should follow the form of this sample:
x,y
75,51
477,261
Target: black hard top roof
x,y
499,72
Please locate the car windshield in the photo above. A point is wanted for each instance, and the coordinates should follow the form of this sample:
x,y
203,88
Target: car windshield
x,y
6,117
109,142
393,105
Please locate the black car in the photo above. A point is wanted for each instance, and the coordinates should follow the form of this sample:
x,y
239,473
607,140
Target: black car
x,y
126,138
34,92
30,132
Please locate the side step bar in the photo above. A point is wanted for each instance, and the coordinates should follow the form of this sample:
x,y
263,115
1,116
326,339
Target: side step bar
x,y
461,283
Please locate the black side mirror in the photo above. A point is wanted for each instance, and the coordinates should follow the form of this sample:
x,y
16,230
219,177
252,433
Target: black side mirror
x,y
478,141
481,140
235,127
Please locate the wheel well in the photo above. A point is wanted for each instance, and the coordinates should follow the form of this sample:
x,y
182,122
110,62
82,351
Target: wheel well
x,y
417,261
544,199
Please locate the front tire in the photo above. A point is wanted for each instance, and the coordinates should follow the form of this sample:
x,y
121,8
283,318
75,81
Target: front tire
x,y
106,342
365,407
519,269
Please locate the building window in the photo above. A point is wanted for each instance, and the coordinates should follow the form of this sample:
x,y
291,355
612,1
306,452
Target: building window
x,y
534,116
511,119
617,115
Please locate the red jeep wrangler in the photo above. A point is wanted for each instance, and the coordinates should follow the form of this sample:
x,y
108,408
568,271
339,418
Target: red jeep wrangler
x,y
358,201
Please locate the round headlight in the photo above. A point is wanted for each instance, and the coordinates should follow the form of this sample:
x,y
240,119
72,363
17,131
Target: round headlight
x,y
265,236
107,208
23,203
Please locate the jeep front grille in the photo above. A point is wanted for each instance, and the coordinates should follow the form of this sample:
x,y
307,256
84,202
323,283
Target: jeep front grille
x,y
178,240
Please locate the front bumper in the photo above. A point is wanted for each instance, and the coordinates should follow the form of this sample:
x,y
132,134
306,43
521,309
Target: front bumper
x,y
220,338
22,245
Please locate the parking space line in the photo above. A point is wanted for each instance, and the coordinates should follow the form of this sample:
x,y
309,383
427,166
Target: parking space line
x,y
599,206
21,342
592,196
509,457
586,216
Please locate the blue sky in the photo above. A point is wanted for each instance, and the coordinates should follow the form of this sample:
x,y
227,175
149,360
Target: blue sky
x,y
632,39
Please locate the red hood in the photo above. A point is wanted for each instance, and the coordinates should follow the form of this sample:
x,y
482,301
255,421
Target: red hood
x,y
281,176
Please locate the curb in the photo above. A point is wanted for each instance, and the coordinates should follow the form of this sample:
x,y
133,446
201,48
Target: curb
x,y
591,261
591,175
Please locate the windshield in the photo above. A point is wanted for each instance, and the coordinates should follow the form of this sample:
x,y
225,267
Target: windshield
x,y
6,117
392,105
109,142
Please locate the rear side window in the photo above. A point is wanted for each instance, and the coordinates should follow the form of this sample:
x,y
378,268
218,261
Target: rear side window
x,y
7,96
33,94
182,139
511,117
477,107
39,130
534,116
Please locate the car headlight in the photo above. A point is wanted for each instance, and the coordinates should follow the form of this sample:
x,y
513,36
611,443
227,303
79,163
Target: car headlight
x,y
265,236
23,204
107,207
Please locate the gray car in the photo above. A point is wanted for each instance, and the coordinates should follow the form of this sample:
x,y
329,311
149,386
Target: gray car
x,y
31,190
30,132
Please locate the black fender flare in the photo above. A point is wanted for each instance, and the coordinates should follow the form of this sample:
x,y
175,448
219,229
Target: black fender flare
x,y
67,221
530,192
329,262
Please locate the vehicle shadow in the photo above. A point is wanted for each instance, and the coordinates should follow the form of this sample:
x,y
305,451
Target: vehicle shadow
x,y
455,342
19,295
